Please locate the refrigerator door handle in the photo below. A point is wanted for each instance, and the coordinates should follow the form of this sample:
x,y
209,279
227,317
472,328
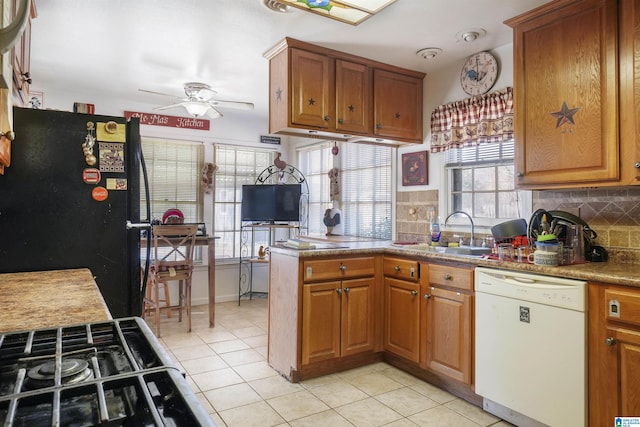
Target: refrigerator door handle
x,y
131,225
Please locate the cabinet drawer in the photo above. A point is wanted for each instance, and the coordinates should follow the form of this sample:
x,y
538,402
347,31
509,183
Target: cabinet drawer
x,y
455,277
623,306
401,269
329,269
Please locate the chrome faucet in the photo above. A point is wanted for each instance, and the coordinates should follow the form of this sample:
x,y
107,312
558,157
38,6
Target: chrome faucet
x,y
470,220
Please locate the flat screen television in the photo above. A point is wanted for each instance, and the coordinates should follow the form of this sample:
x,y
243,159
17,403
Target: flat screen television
x,y
271,203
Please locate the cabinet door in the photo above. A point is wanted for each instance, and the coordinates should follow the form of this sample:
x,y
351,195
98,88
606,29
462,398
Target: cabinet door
x,y
357,316
566,85
397,106
311,80
402,318
320,322
353,97
625,362
448,333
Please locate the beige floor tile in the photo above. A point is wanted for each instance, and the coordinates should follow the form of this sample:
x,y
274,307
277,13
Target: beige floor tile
x,y
297,405
204,364
232,396
257,414
264,351
433,392
256,341
402,377
216,335
327,418
472,412
318,381
368,413
404,422
241,357
255,371
218,420
274,386
367,369
216,379
227,346
338,393
193,352
375,383
179,340
406,401
441,416
250,331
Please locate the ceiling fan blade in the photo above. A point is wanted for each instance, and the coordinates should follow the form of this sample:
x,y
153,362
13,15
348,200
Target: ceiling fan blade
x,y
231,104
166,107
212,113
159,93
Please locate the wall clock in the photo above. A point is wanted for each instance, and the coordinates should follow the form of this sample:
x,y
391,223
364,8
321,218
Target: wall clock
x,y
479,73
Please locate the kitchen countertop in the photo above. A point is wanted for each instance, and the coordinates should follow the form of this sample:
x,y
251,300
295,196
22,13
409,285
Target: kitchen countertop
x,y
604,272
43,299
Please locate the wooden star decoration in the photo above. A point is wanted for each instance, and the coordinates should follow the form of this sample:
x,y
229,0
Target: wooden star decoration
x,y
565,115
279,95
312,101
351,108
397,115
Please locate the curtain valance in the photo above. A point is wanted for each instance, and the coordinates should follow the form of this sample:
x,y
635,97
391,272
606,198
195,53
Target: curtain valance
x,y
476,120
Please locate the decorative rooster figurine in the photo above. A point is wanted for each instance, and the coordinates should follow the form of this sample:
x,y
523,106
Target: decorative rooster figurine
x,y
280,164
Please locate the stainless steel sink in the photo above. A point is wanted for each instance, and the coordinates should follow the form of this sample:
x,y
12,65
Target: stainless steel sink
x,y
467,250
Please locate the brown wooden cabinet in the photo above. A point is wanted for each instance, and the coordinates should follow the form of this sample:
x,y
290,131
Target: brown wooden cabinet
x,y
614,353
402,308
338,308
576,61
21,60
322,93
447,322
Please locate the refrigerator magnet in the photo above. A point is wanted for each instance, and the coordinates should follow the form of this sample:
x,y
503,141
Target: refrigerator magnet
x,y
99,194
116,183
91,176
111,157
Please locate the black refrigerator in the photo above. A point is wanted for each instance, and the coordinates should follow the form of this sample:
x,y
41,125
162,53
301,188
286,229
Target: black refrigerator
x,y
59,211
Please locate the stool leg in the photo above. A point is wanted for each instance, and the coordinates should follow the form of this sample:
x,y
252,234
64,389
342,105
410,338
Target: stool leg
x,y
188,303
156,300
167,299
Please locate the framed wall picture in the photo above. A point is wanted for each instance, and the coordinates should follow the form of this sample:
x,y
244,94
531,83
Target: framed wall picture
x,y
415,168
36,100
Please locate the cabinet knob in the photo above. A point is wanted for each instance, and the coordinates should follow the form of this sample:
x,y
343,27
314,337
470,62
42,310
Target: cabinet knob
x,y
378,126
610,341
347,290
448,277
396,268
414,293
343,268
427,296
339,291
327,118
637,165
519,174
340,120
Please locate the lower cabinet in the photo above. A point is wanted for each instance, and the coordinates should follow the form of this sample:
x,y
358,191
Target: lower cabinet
x,y
337,319
614,353
429,319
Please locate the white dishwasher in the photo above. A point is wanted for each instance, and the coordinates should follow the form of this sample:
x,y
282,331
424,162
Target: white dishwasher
x,y
531,341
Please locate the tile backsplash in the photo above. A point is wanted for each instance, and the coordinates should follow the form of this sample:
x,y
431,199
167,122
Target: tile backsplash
x,y
614,214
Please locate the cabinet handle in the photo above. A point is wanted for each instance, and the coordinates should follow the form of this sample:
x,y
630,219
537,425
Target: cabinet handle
x,y
339,291
610,341
414,293
347,290
327,118
340,121
448,277
427,296
397,268
343,268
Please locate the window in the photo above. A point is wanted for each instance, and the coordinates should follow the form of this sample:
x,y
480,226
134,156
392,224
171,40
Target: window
x,y
173,169
365,187
481,182
315,162
236,166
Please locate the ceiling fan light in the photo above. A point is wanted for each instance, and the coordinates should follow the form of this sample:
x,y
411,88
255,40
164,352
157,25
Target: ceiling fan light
x,y
195,108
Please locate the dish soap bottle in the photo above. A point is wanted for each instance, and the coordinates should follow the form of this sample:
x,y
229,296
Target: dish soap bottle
x,y
435,232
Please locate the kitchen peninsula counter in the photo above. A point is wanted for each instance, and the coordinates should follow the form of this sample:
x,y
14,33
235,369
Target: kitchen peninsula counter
x,y
43,299
625,274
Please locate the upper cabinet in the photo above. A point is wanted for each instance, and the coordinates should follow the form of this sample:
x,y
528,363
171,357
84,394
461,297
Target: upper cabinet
x,y
319,92
21,60
576,62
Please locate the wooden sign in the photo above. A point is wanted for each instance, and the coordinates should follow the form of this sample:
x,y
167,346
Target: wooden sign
x,y
169,121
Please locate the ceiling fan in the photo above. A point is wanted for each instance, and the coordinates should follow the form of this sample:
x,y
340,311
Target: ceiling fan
x,y
200,102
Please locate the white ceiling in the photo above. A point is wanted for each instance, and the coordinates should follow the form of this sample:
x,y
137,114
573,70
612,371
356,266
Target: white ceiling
x,y
108,49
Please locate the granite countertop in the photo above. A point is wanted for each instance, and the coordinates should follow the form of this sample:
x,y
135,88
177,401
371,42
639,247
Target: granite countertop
x,y
43,299
604,272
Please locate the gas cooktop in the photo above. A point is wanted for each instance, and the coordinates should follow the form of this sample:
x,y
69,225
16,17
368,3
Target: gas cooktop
x,y
112,373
